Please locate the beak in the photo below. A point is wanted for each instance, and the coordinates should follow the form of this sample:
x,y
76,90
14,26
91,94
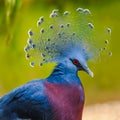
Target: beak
x,y
90,72
86,69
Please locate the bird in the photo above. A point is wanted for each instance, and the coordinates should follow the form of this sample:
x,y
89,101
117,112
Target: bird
x,y
68,40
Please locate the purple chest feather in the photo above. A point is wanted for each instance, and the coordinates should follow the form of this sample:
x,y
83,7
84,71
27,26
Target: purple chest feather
x,y
67,100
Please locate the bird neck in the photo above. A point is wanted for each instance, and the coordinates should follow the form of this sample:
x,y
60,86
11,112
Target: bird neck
x,y
62,68
62,74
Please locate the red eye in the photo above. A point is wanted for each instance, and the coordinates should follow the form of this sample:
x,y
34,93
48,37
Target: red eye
x,y
75,62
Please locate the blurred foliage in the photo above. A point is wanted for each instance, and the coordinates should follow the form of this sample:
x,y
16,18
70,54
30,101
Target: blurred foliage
x,y
18,16
9,13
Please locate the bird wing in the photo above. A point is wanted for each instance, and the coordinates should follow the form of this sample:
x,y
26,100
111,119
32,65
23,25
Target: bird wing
x,y
30,91
26,99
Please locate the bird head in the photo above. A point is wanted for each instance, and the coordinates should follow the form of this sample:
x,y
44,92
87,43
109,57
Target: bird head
x,y
67,38
81,65
75,58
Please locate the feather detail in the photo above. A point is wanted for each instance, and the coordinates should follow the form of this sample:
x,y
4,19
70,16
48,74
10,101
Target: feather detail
x,y
61,35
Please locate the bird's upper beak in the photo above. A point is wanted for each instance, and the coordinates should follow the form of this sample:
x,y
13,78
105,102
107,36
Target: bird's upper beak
x,y
86,69
89,72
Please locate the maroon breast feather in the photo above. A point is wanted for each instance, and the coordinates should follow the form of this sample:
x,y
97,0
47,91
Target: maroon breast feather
x,y
67,100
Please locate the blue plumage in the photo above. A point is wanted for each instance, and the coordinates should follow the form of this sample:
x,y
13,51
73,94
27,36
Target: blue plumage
x,y
28,101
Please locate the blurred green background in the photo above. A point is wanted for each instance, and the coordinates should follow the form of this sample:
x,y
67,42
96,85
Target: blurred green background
x,y
18,16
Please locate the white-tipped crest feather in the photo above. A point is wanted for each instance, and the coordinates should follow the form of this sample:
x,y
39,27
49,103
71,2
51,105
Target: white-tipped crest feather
x,y
61,36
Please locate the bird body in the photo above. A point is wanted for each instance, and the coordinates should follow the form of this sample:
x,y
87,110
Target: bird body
x,y
67,42
58,97
66,94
